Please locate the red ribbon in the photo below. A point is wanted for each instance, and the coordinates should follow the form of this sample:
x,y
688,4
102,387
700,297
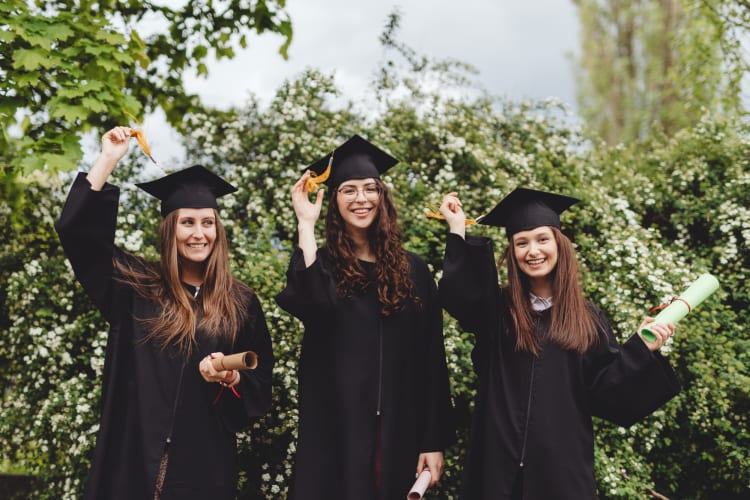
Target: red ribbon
x,y
664,306
223,385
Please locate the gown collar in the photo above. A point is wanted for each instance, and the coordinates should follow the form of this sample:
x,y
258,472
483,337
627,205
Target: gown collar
x,y
540,304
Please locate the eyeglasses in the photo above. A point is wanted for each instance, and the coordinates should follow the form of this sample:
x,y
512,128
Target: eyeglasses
x,y
371,192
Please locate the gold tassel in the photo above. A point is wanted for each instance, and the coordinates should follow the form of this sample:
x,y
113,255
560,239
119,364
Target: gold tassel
x,y
314,181
139,136
433,213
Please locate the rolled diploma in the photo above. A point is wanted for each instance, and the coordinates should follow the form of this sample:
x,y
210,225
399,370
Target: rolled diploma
x,y
420,485
247,360
696,293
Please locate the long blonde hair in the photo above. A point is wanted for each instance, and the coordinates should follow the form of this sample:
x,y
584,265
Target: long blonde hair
x,y
222,307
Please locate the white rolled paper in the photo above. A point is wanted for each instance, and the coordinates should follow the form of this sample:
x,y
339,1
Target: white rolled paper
x,y
420,485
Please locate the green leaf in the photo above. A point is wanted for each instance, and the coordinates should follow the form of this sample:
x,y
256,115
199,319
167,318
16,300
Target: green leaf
x,y
30,59
108,64
31,163
59,31
61,162
94,105
110,37
200,52
68,112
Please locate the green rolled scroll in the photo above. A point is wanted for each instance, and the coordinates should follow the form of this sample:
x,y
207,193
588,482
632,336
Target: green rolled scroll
x,y
681,305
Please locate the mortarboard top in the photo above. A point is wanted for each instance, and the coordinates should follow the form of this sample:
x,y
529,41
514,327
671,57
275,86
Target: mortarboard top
x,y
193,187
525,209
354,159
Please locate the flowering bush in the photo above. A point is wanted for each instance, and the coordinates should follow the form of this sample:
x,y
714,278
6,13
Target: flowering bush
x,y
650,221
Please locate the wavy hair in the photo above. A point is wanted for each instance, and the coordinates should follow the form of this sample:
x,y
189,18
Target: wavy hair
x,y
222,307
574,326
393,279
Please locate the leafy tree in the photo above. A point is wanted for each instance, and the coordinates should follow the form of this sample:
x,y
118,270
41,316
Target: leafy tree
x,y
68,66
655,65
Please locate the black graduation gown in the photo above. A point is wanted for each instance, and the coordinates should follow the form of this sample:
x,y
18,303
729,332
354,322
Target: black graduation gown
x,y
355,363
150,394
532,416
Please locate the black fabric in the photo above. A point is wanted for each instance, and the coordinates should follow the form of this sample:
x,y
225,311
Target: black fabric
x,y
532,416
140,381
525,209
192,187
356,158
353,361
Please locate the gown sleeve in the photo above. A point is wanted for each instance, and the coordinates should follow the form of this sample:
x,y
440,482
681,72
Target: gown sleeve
x,y
468,288
86,228
254,387
310,292
628,381
438,431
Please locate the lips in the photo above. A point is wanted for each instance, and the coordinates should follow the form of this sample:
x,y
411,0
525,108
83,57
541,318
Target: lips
x,y
535,262
361,212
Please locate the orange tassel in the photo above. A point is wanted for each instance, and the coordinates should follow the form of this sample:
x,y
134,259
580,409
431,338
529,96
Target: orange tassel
x,y
140,137
314,181
433,214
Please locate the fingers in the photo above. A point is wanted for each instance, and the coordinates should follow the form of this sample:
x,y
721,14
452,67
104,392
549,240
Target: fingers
x,y
299,185
319,199
451,204
118,135
207,370
661,333
433,462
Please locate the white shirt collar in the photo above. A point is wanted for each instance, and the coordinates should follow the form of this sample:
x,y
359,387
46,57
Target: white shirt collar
x,y
540,304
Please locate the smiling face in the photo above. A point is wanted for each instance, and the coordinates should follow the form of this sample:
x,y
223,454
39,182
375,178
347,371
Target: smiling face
x,y
195,233
536,254
358,201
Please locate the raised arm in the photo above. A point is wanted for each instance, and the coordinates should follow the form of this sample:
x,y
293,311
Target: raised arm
x,y
86,226
307,214
114,146
451,209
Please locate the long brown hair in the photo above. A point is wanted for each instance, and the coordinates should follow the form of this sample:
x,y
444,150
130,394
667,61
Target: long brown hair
x,y
223,304
392,276
574,326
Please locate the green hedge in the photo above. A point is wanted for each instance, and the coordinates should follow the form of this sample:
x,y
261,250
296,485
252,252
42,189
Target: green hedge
x,y
652,219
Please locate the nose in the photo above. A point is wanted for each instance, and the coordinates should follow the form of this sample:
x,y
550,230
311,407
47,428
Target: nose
x,y
360,192
198,232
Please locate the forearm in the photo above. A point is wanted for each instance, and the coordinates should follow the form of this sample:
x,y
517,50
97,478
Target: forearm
x,y
307,243
101,171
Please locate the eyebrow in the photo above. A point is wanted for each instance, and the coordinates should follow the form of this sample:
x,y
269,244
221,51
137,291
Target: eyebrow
x,y
192,217
371,183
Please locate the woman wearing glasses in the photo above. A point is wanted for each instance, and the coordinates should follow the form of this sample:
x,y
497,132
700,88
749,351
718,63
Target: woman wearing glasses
x,y
374,399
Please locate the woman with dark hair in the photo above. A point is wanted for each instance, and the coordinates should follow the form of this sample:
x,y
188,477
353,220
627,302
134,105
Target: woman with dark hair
x,y
546,359
166,431
374,398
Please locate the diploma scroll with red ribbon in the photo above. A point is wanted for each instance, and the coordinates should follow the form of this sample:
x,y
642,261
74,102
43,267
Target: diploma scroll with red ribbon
x,y
247,360
681,305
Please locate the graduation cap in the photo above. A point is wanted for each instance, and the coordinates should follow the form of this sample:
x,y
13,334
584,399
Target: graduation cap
x,y
193,187
354,159
525,209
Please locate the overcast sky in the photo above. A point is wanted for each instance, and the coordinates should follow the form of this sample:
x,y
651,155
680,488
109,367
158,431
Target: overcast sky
x,y
522,48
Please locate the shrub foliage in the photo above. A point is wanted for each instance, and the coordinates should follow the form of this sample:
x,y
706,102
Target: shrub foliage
x,y
650,222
